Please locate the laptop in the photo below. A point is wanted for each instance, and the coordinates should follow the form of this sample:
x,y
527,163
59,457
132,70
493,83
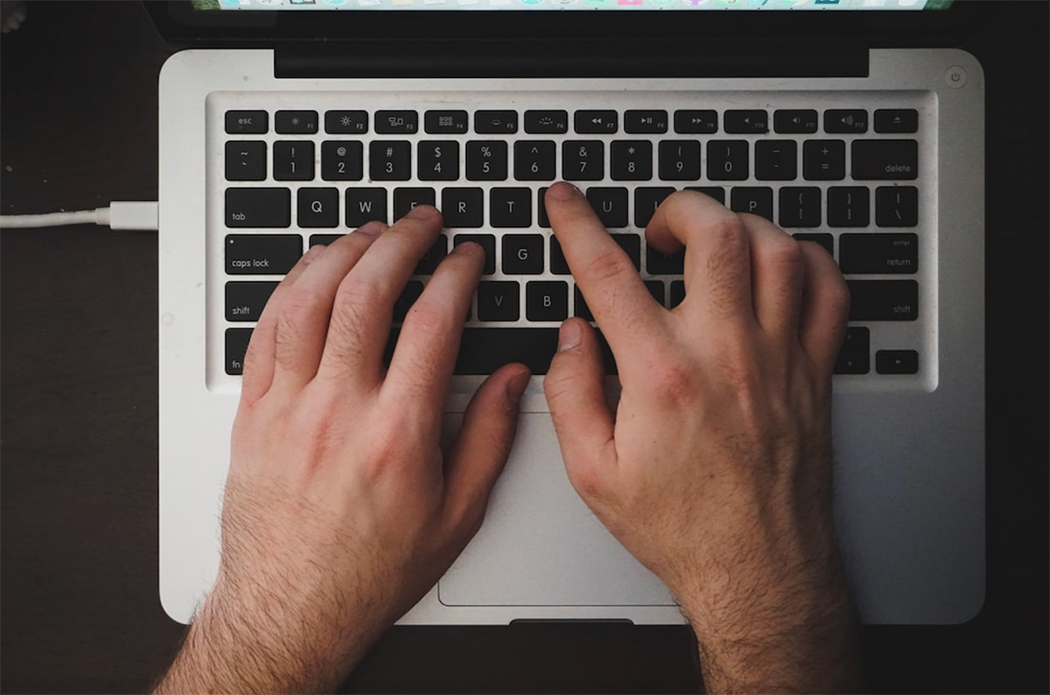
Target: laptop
x,y
852,123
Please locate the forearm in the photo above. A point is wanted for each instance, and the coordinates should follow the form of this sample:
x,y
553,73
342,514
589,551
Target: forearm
x,y
223,652
810,646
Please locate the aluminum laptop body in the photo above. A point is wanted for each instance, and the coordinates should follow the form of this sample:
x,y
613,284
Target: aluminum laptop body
x,y
909,447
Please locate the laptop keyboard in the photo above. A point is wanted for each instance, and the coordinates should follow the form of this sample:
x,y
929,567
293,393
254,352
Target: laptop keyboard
x,y
846,178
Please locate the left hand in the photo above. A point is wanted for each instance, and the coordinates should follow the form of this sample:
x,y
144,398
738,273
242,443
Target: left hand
x,y
341,508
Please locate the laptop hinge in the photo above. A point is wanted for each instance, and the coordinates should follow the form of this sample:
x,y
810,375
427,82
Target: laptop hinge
x,y
540,58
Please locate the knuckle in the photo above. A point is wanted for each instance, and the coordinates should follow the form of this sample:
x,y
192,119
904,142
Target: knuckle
x,y
431,321
609,265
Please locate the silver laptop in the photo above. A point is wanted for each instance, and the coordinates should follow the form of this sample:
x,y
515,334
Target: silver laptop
x,y
784,108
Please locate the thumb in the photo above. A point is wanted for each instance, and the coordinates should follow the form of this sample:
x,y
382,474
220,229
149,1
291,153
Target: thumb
x,y
482,446
575,392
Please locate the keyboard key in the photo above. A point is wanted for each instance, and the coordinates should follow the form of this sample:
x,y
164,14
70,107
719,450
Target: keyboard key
x,y
795,121
534,160
485,241
546,301
247,122
645,121
855,354
438,161
295,122
523,254
484,350
342,160
746,121
752,199
825,240
879,253
677,293
237,340
397,122
342,122
558,264
800,207
407,198
390,160
541,208
716,192
293,160
896,206
776,160
646,200
463,207
583,160
510,207
245,300
610,204
318,207
440,122
546,122
658,263
883,300
579,305
656,289
896,361
896,120
433,257
632,246
413,290
885,160
499,301
495,122
679,160
845,121
727,160
631,160
487,160
848,206
323,239
258,207
824,160
262,254
596,121
245,161
364,205
691,121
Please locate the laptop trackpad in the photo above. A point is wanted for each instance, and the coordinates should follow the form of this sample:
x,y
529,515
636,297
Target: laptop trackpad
x,y
540,545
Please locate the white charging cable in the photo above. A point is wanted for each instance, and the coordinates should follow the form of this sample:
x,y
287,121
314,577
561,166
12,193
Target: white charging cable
x,y
119,215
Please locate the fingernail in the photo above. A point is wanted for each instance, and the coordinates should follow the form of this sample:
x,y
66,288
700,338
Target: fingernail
x,y
421,212
371,228
312,254
517,385
569,336
563,190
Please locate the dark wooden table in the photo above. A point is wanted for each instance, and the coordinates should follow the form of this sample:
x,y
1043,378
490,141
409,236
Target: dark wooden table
x,y
78,481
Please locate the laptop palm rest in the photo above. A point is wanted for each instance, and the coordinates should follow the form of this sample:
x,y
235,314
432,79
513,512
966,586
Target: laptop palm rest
x,y
540,545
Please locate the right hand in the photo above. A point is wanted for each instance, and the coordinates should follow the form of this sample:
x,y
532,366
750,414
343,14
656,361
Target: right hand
x,y
715,470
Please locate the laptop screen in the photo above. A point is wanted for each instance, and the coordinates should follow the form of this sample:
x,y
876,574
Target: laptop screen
x,y
554,5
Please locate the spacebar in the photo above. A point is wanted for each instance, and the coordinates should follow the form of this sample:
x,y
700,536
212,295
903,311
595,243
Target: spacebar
x,y
484,350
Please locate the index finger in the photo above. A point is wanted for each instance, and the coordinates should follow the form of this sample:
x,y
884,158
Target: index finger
x,y
607,278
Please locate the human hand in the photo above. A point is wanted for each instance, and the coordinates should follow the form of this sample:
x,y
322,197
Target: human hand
x,y
341,509
715,471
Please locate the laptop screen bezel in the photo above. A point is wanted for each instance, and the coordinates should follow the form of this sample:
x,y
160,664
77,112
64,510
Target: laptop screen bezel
x,y
179,22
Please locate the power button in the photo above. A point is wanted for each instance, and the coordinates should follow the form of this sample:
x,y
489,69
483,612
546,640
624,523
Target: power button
x,y
955,76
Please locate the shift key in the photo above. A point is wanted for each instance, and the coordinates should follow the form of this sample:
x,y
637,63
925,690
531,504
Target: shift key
x,y
258,207
262,254
883,300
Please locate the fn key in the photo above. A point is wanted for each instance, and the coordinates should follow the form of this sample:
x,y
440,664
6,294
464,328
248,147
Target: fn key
x,y
236,345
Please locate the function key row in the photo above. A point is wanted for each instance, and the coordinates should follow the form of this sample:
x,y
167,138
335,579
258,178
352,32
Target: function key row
x,y
556,121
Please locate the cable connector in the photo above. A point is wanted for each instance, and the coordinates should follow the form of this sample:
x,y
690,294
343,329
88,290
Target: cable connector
x,y
120,215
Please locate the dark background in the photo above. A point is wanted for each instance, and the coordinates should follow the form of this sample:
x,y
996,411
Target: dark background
x,y
78,481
